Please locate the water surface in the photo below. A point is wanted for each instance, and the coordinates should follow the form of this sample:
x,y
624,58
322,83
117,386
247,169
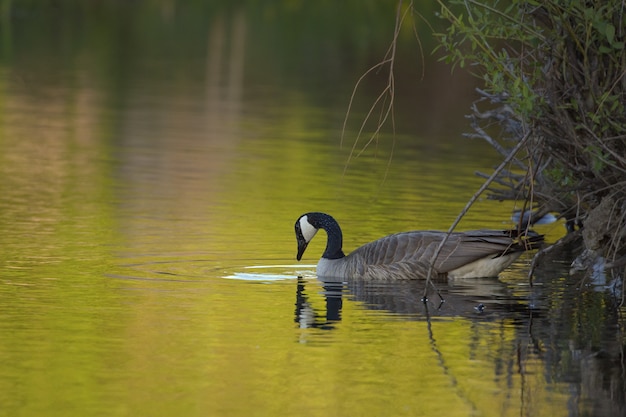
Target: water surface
x,y
151,170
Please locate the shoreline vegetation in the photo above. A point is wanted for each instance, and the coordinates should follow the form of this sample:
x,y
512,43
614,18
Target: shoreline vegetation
x,y
553,105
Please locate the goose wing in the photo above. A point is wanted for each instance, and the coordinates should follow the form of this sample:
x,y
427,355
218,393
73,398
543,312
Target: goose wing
x,y
418,247
466,247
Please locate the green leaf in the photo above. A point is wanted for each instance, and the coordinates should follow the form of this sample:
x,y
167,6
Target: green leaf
x,y
609,32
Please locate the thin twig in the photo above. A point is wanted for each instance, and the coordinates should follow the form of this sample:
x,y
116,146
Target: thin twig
x,y
471,201
388,91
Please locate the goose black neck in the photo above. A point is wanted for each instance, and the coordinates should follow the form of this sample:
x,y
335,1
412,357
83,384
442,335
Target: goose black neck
x,y
334,242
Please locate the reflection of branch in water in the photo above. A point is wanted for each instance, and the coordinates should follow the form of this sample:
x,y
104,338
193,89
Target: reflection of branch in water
x,y
521,369
442,363
524,391
524,343
305,314
425,296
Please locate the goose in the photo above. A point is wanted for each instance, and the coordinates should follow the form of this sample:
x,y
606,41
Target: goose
x,y
407,255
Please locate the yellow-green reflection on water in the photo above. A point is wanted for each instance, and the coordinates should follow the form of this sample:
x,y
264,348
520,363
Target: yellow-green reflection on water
x,y
147,248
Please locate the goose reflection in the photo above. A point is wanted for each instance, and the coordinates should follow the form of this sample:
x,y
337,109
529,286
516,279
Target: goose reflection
x,y
307,317
478,299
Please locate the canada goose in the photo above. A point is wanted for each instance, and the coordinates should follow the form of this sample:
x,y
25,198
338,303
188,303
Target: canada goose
x,y
477,253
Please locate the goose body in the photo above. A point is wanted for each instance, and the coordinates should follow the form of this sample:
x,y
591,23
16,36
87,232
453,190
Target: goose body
x,y
407,255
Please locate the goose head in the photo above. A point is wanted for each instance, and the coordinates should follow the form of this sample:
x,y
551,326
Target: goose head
x,y
308,225
304,233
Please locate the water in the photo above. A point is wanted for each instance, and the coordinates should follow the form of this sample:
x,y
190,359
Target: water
x,y
151,170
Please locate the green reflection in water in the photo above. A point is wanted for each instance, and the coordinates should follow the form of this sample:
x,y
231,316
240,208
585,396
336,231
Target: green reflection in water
x,y
140,164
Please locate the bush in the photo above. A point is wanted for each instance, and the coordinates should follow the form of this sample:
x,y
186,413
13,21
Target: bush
x,y
554,76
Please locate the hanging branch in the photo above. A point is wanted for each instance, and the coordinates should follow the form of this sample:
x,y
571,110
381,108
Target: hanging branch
x,y
471,201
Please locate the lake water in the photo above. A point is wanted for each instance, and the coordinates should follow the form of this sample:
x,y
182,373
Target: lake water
x,y
154,157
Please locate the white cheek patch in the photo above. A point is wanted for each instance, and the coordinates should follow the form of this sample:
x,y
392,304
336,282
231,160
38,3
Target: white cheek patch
x,y
308,231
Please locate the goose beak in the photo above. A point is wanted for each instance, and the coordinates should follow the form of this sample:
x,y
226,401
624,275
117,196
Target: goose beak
x,y
302,244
